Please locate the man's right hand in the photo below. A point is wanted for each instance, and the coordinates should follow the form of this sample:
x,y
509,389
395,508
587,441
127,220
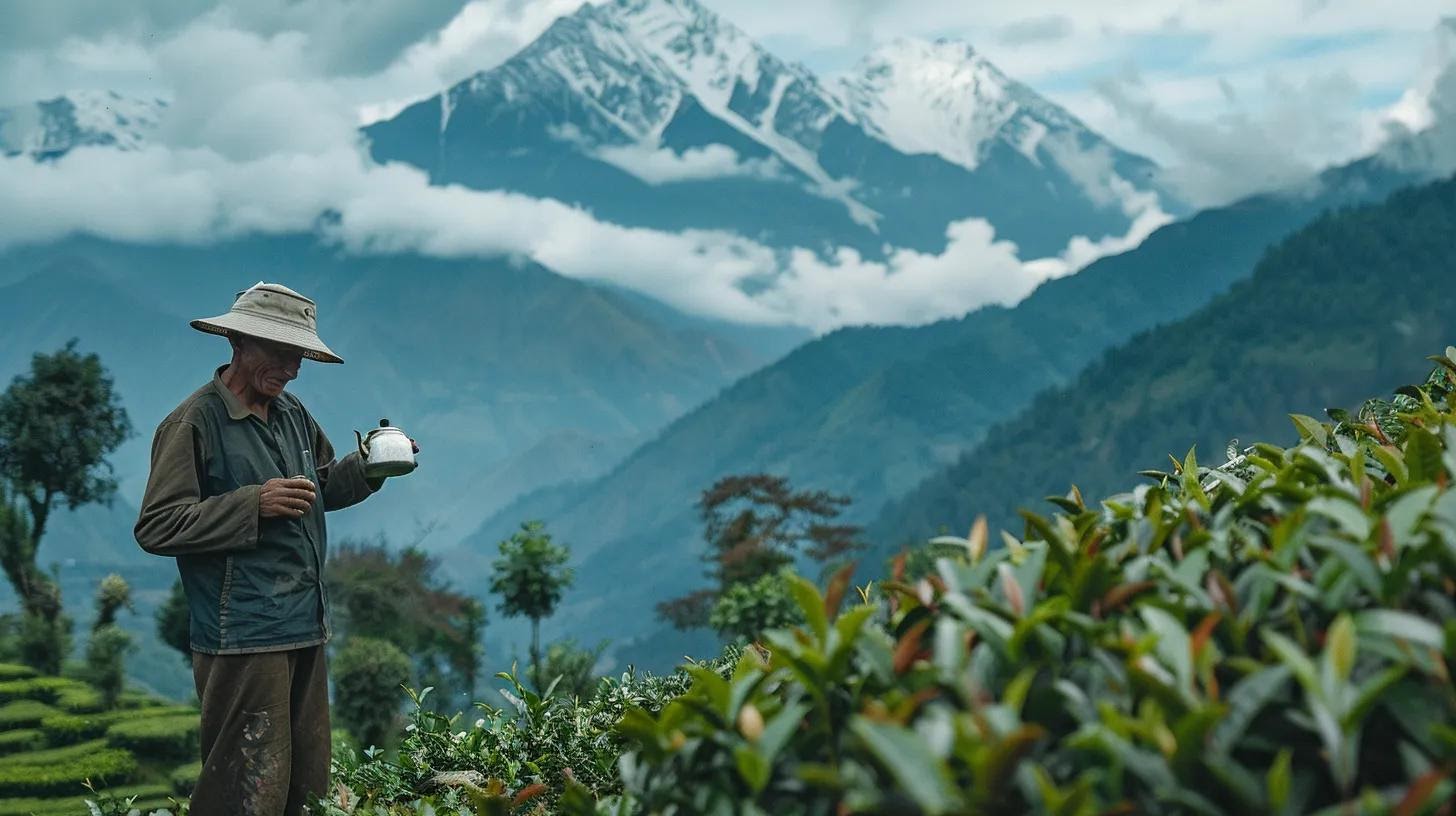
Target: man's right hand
x,y
285,498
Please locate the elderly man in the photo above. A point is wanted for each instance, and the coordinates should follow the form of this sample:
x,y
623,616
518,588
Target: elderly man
x,y
241,477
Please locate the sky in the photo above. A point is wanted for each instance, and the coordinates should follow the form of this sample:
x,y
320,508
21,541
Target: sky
x,y
267,93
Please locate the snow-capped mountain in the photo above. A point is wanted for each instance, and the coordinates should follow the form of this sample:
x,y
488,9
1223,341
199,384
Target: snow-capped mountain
x,y
661,113
105,118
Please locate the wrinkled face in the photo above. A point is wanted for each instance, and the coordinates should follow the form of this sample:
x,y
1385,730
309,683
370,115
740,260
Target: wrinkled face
x,y
267,367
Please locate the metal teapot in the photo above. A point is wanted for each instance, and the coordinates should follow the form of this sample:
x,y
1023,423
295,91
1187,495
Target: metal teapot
x,y
386,451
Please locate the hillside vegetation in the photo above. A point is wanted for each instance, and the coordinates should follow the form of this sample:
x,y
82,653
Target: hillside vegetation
x,y
1330,316
56,735
1271,636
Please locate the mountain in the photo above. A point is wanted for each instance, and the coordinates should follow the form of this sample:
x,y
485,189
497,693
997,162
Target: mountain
x,y
871,412
497,367
1334,313
660,113
49,129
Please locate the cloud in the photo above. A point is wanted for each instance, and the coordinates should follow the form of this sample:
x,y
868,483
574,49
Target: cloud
x,y
662,165
1050,28
1239,149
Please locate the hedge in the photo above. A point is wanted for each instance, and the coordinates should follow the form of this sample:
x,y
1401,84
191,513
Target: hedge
x,y
173,737
64,729
16,671
81,700
23,713
108,766
20,739
148,797
184,779
46,756
45,689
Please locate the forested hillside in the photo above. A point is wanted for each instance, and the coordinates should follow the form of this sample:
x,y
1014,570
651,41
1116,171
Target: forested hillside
x,y
1329,316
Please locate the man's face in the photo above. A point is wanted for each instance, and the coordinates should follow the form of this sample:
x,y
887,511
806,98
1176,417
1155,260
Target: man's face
x,y
268,366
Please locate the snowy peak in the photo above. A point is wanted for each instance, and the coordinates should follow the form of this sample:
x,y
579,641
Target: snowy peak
x,y
946,99
104,118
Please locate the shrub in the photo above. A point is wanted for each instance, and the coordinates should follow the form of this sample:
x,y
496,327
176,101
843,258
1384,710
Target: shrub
x,y
109,766
15,740
24,713
367,678
170,737
15,671
61,753
106,658
1268,637
80,700
184,778
65,729
148,797
44,689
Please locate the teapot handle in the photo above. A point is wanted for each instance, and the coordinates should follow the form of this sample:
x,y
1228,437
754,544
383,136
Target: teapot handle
x,y
363,446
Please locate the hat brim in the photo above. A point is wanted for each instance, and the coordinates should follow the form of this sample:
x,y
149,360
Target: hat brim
x,y
233,323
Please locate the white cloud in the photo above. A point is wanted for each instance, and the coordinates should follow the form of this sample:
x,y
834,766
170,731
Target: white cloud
x,y
662,165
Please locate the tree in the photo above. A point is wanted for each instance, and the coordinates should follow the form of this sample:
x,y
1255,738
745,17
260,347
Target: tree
x,y
368,674
746,610
756,525
109,643
57,425
174,622
570,667
530,576
398,596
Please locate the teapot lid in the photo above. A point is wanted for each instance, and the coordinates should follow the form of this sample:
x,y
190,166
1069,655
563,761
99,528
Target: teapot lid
x,y
384,423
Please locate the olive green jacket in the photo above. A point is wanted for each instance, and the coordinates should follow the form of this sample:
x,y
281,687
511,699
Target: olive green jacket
x,y
252,584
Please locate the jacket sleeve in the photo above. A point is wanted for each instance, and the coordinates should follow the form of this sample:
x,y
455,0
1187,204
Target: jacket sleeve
x,y
342,480
175,519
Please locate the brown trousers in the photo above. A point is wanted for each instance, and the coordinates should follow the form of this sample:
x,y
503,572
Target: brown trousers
x,y
265,732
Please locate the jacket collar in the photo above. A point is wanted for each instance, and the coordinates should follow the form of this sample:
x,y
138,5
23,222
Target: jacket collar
x,y
235,407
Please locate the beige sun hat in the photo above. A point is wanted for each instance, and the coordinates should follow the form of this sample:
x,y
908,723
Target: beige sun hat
x,y
274,312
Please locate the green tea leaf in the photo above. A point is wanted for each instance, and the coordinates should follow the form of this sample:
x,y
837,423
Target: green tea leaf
x,y
1310,429
1422,455
908,759
811,603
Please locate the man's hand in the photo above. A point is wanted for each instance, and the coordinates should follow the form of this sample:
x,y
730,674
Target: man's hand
x,y
285,498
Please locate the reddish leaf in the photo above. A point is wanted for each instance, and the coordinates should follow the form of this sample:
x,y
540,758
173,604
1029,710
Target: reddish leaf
x,y
909,646
1419,792
527,794
1119,595
1203,630
834,595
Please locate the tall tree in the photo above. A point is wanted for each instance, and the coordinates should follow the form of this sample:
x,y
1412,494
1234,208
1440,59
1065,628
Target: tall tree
x,y
174,622
530,576
57,426
109,643
754,526
398,596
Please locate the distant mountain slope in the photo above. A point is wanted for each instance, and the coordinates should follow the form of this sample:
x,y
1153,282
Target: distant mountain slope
x,y
661,113
482,360
873,411
53,127
1351,302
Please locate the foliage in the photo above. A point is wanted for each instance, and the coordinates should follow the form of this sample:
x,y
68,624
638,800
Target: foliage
x,y
569,668
46,689
112,595
1318,324
165,737
529,577
15,740
398,596
174,622
106,661
537,743
368,674
184,778
81,700
746,609
15,671
115,801
57,425
1268,638
64,729
112,766
755,526
24,713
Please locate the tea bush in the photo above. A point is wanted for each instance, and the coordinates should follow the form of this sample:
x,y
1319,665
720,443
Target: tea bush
x,y
108,766
64,729
45,689
20,739
148,797
184,778
24,713
16,671
171,737
1276,635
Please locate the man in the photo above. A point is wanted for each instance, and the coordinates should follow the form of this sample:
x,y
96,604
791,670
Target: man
x,y
241,476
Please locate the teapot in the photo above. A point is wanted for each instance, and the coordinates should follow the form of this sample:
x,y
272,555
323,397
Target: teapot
x,y
386,451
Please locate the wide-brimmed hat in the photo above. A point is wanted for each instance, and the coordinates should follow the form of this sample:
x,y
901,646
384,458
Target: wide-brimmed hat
x,y
273,312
